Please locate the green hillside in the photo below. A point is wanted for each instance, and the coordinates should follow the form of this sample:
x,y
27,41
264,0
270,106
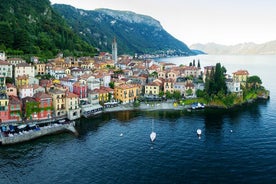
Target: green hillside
x,y
33,27
134,33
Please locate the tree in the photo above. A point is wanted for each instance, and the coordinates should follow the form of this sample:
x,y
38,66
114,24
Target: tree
x,y
254,81
176,95
198,63
111,85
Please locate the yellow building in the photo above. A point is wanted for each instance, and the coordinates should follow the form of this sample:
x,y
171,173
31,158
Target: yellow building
x,y
59,101
40,69
241,76
169,85
152,89
21,80
126,93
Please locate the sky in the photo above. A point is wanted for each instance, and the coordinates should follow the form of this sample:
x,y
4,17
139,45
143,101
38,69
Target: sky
x,y
227,22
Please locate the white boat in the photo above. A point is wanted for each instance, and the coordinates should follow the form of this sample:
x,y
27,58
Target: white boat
x,y
153,134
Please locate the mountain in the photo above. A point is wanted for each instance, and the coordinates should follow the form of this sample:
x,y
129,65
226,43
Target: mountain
x,y
243,48
33,27
134,33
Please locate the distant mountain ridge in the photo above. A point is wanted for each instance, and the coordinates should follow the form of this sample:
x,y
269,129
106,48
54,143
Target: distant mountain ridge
x,y
134,33
243,48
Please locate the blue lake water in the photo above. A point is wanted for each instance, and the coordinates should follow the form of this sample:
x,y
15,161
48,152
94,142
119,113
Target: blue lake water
x,y
237,146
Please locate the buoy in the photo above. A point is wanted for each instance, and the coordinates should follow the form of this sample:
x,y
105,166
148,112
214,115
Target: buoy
x,y
198,132
231,130
121,134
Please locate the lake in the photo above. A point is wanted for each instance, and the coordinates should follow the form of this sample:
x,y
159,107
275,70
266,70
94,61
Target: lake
x,y
236,146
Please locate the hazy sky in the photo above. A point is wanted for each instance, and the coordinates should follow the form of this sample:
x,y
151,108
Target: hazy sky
x,y
201,21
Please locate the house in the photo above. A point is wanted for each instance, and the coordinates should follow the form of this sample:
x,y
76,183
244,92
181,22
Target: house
x,y
152,88
76,72
162,74
25,91
37,88
180,84
15,108
172,75
168,85
4,107
24,69
33,81
126,93
241,76
103,95
45,105
59,100
30,108
68,81
5,69
233,86
40,69
16,61
80,89
93,83
58,72
192,71
22,80
72,106
11,90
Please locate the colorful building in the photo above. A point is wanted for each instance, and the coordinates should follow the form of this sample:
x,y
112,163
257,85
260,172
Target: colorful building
x,y
72,106
126,93
45,105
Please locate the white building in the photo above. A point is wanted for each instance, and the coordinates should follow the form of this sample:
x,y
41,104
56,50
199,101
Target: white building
x,y
24,69
26,91
5,69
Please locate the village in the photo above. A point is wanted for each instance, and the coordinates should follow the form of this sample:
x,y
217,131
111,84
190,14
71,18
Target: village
x,y
86,86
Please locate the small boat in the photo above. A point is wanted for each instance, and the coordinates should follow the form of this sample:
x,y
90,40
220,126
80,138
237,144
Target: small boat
x,y
198,131
153,134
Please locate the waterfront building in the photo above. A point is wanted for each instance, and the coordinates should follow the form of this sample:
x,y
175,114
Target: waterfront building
x,y
152,89
103,95
72,106
233,86
15,108
45,105
5,69
30,108
24,69
11,90
241,76
126,93
4,110
59,101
